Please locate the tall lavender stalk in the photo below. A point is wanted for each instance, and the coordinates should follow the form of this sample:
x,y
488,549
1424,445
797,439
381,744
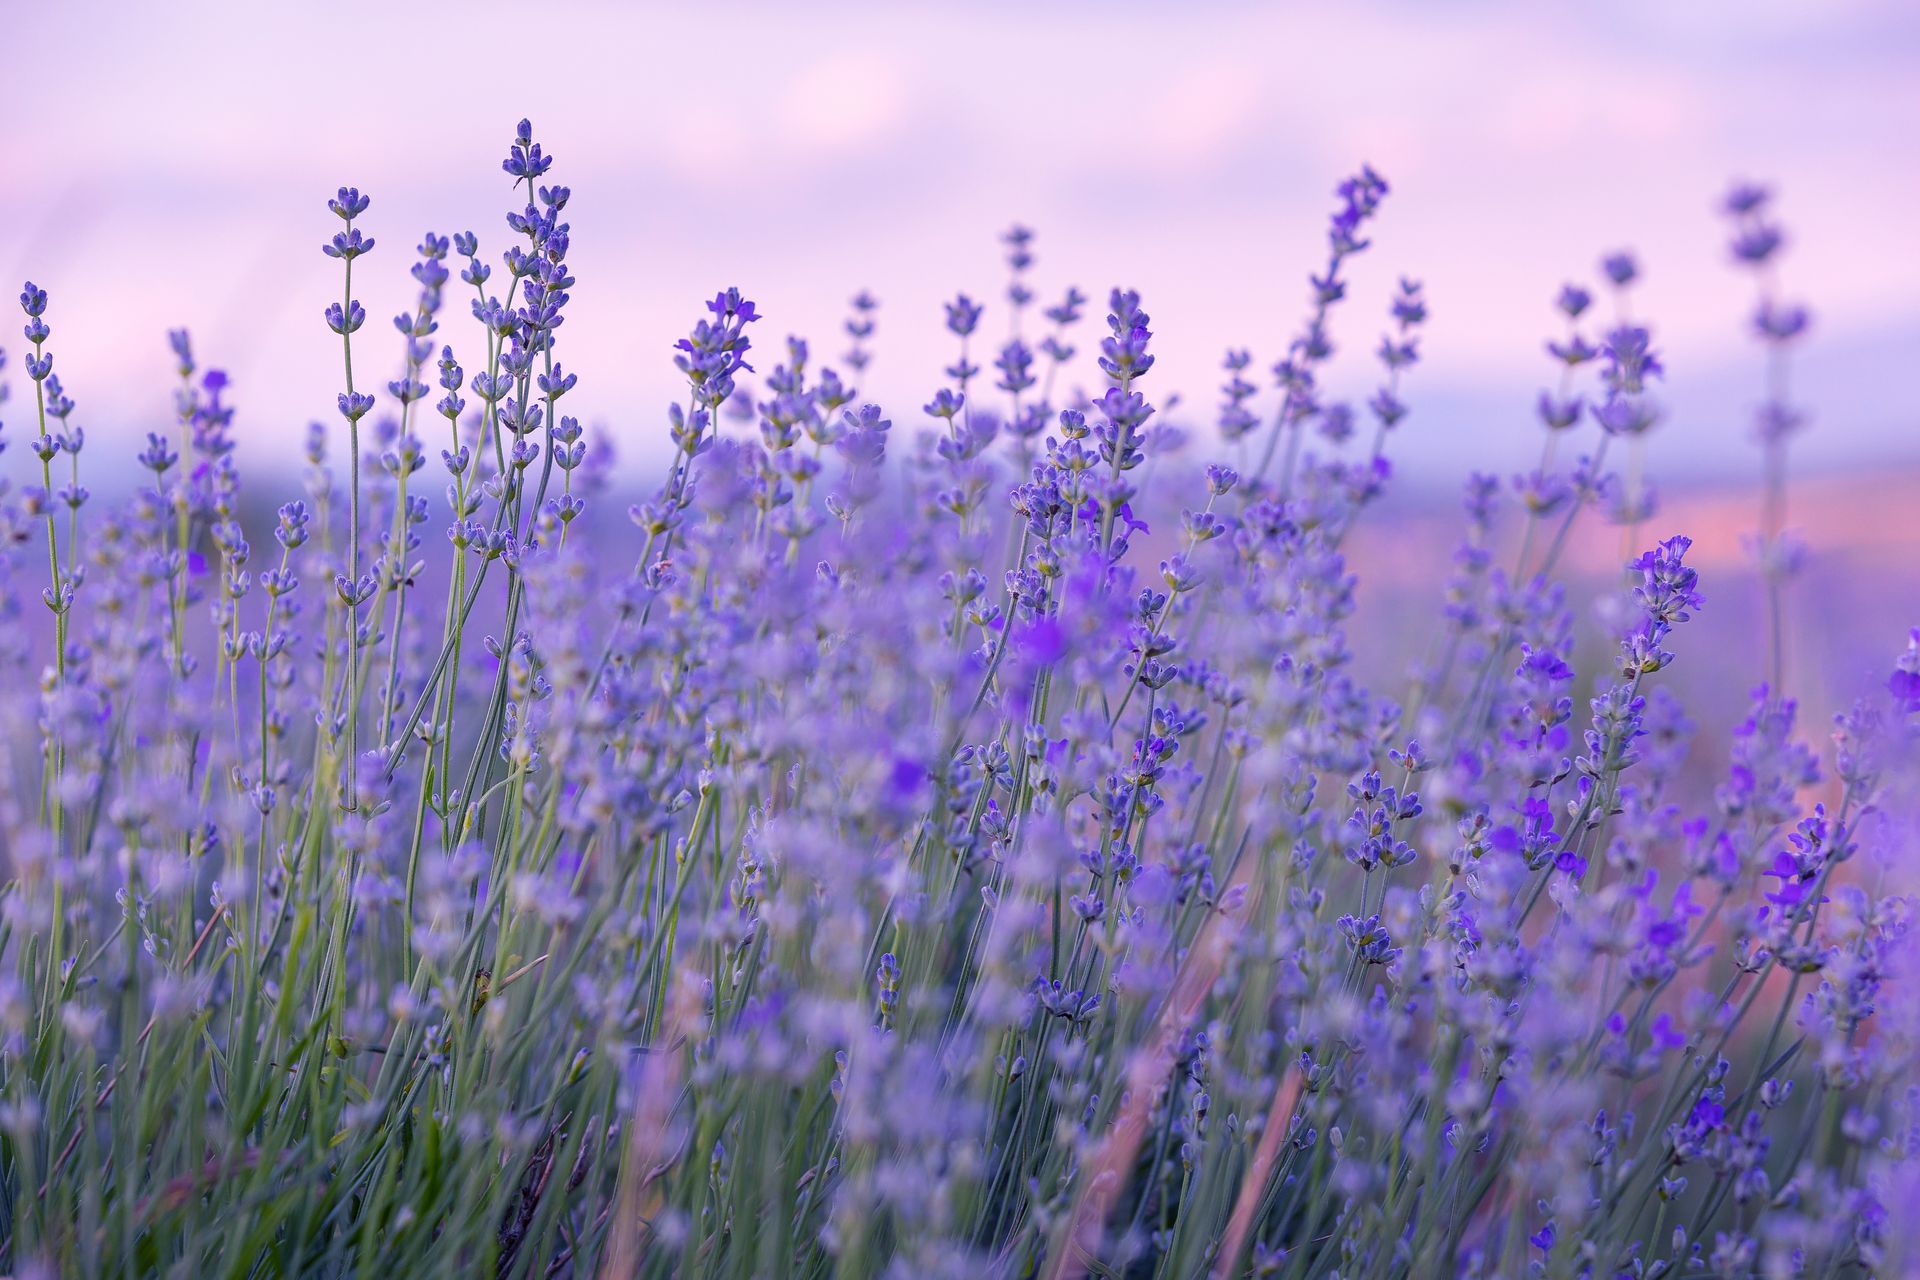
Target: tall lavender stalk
x,y
977,851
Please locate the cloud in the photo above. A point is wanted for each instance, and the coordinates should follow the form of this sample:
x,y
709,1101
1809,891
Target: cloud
x,y
844,104
1201,112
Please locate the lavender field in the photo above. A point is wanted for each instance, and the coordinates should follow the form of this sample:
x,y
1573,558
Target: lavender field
x,y
1047,825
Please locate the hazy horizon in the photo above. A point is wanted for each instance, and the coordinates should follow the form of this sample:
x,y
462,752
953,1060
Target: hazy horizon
x,y
1192,160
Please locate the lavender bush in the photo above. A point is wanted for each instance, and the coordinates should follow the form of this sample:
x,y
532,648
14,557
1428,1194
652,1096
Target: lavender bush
x,y
963,853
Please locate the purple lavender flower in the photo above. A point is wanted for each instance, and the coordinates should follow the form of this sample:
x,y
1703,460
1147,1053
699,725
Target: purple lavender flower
x,y
912,849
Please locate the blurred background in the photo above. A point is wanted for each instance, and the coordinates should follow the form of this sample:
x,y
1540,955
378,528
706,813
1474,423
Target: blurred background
x,y
168,165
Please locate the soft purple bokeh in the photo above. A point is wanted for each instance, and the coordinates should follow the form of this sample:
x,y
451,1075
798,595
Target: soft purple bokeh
x,y
174,166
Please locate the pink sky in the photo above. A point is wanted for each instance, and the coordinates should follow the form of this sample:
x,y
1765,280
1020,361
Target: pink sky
x,y
169,165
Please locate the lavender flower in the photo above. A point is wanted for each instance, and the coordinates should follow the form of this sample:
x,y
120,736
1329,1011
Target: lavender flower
x,y
978,848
